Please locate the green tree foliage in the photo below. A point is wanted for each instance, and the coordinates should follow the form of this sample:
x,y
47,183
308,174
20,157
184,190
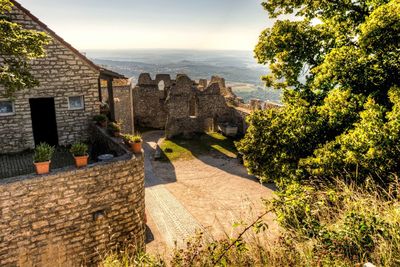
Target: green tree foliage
x,y
343,119
17,47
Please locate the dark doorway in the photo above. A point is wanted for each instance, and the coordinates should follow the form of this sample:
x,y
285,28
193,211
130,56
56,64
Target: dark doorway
x,y
44,121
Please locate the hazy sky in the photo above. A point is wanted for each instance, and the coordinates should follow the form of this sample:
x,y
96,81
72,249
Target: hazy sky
x,y
127,24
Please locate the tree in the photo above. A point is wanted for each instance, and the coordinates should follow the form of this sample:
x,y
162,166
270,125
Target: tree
x,y
349,53
18,46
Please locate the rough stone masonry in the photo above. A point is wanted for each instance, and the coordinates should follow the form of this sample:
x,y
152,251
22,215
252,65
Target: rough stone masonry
x,y
62,74
69,218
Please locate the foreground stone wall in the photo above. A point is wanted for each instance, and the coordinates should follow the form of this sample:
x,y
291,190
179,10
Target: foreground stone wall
x,y
62,73
69,217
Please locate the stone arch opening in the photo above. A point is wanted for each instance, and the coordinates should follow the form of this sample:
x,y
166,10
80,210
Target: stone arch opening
x,y
161,85
193,107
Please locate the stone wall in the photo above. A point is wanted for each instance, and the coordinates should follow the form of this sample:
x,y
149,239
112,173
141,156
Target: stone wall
x,y
149,101
183,106
69,217
62,73
123,106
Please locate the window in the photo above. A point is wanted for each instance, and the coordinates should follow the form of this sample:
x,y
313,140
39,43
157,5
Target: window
x,y
7,108
193,107
161,85
76,102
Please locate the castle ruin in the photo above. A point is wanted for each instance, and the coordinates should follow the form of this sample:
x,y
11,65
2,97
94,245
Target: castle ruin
x,y
183,106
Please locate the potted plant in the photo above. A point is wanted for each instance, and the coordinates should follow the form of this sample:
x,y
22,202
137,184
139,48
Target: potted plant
x,y
79,151
134,141
136,144
101,120
127,139
42,158
114,128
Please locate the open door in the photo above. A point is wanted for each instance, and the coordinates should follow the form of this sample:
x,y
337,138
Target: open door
x,y
44,121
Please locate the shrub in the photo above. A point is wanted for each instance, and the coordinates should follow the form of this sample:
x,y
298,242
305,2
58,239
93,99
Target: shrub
x,y
114,127
43,152
100,118
79,149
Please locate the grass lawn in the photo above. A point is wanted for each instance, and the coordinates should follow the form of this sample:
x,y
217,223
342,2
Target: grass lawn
x,y
205,144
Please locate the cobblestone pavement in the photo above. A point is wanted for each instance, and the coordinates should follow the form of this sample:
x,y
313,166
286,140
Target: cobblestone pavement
x,y
170,216
22,163
208,192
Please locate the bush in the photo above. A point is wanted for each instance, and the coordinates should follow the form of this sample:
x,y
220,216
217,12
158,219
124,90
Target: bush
x,y
114,127
43,152
321,225
79,149
100,118
343,222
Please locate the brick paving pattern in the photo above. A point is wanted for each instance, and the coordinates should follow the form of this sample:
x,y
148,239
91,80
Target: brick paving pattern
x,y
22,163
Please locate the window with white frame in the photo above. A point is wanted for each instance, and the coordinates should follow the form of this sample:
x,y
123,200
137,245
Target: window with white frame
x,y
7,107
76,102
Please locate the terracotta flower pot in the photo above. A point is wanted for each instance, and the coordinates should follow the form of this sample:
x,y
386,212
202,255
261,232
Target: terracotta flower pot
x,y
136,147
81,161
42,167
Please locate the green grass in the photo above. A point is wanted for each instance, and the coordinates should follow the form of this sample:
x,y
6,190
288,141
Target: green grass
x,y
205,144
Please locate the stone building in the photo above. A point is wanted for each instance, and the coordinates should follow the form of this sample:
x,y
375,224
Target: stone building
x,y
69,217
58,111
183,106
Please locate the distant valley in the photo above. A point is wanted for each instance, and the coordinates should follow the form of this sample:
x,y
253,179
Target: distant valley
x,y
239,68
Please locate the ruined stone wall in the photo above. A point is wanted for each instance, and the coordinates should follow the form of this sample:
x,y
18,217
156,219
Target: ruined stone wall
x,y
149,101
183,106
123,106
195,109
69,217
61,74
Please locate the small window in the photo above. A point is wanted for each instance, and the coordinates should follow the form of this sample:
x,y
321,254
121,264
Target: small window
x,y
7,107
161,85
76,102
193,107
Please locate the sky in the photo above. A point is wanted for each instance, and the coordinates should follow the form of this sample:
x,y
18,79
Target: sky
x,y
154,24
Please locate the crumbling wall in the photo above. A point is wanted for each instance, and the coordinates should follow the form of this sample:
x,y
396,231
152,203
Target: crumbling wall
x,y
183,106
195,109
149,101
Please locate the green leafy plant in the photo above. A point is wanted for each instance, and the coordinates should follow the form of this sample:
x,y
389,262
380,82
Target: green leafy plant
x,y
129,138
43,152
79,149
18,46
100,118
114,127
339,119
137,138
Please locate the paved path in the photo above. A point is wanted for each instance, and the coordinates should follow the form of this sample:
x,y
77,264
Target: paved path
x,y
171,218
207,192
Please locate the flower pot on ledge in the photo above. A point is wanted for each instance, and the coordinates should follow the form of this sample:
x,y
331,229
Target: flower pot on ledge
x,y
81,161
136,147
42,167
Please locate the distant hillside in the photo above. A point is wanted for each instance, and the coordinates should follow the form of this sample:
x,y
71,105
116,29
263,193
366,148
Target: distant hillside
x,y
239,68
